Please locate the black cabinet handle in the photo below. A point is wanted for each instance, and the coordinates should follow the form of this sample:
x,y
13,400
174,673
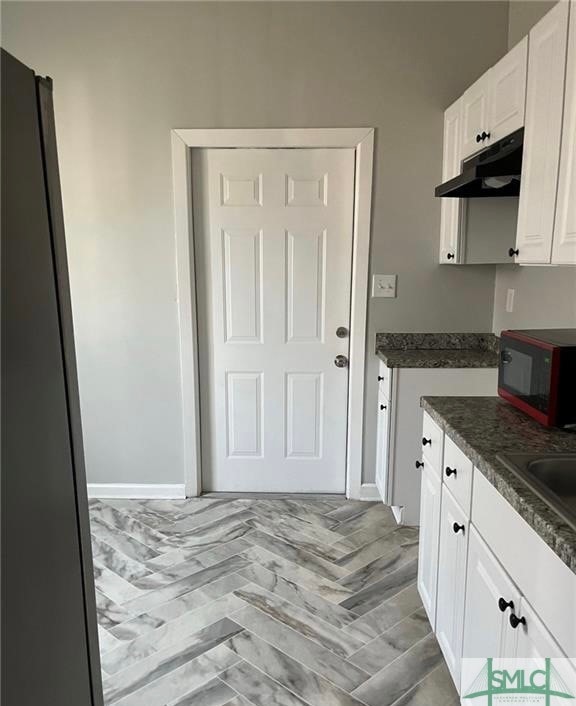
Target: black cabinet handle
x,y
450,256
380,378
419,464
478,137
383,406
513,252
450,471
515,621
504,605
458,528
426,441
485,135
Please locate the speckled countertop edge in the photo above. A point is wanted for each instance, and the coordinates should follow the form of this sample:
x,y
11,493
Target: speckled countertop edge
x,y
438,350
559,536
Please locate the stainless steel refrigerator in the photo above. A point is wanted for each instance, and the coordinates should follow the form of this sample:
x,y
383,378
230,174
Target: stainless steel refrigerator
x,y
48,616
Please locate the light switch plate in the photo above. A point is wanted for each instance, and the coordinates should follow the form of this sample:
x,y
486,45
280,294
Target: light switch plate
x,y
383,285
510,300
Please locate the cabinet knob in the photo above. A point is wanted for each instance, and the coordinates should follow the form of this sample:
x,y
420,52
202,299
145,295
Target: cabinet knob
x,y
458,528
426,441
380,378
484,136
515,621
478,137
504,605
450,256
419,464
513,252
450,471
383,407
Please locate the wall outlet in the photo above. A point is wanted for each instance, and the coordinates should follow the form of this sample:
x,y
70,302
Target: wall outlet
x,y
383,285
510,300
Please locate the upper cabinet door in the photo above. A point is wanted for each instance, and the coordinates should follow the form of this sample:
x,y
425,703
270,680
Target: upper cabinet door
x,y
544,101
451,161
564,250
476,116
508,92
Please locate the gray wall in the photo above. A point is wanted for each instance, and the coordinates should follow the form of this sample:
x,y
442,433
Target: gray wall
x,y
126,73
545,296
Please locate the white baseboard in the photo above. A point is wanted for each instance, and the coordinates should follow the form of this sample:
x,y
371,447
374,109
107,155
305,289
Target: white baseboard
x,y
146,491
369,491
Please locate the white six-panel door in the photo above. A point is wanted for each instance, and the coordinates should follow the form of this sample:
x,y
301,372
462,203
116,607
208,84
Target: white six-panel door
x,y
273,233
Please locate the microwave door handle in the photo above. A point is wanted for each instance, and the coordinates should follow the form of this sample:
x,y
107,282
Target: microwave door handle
x,y
506,357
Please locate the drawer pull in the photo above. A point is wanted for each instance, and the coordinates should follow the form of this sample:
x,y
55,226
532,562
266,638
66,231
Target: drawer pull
x,y
504,605
380,378
458,528
426,441
450,471
515,621
383,407
419,464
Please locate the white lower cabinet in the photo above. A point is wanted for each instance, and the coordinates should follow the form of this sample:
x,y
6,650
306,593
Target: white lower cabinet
x,y
490,599
383,443
429,538
490,585
451,581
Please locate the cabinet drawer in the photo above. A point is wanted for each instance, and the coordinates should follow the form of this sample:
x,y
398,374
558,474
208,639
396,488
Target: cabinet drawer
x,y
384,378
432,442
457,474
546,582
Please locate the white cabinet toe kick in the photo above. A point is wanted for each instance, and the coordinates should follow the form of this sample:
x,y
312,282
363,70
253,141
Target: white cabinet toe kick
x,y
490,585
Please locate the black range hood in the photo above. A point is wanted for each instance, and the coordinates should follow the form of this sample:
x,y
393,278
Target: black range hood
x,y
493,172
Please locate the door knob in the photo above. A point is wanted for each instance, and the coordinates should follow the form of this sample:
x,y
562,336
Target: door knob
x,y
342,332
341,361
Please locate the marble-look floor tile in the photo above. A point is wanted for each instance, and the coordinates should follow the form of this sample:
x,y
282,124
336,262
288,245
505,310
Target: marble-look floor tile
x,y
295,601
370,597
213,693
259,689
176,683
309,626
152,599
123,542
357,558
303,558
329,590
323,661
379,568
436,688
299,596
393,643
291,674
297,539
390,612
178,630
119,563
166,662
270,515
392,682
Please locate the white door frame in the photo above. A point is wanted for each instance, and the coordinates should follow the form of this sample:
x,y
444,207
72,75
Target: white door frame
x,y
183,141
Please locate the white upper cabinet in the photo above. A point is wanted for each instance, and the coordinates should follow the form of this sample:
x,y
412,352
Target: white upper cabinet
x,y
451,161
476,116
508,92
543,125
564,250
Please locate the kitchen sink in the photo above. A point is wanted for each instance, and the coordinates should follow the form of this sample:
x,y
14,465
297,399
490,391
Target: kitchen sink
x,y
551,476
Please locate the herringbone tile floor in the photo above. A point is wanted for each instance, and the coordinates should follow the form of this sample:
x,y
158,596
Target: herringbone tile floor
x,y
264,602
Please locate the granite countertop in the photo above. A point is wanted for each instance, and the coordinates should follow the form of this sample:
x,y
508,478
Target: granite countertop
x,y
484,427
438,350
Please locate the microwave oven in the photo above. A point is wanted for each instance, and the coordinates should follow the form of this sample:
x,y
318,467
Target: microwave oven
x,y
537,374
